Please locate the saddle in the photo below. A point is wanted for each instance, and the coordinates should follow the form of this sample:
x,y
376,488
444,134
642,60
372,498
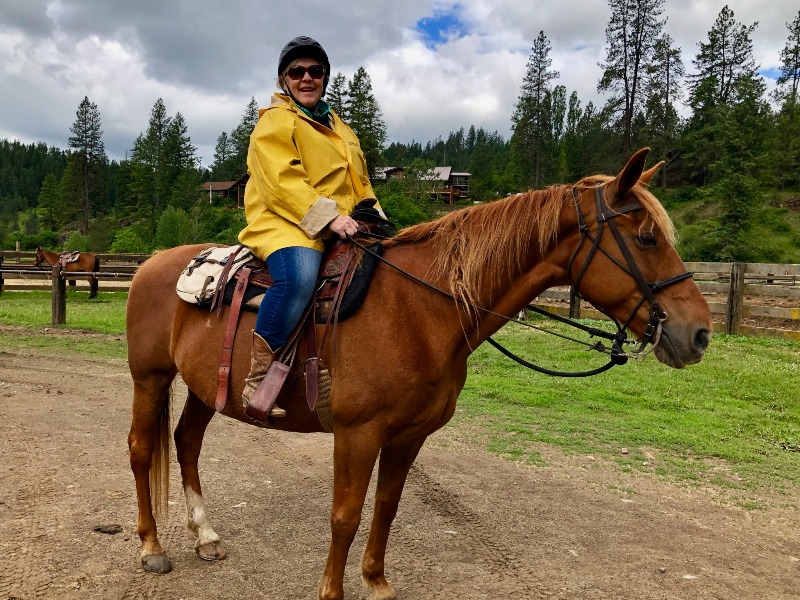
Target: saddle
x,y
343,282
68,257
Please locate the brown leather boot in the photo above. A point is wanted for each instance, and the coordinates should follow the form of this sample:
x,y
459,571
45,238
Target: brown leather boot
x,y
260,361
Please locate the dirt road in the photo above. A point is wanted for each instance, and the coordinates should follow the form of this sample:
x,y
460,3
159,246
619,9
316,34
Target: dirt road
x,y
471,525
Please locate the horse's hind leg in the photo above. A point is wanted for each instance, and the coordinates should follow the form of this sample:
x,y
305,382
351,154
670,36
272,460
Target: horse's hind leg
x,y
188,443
148,440
93,286
393,468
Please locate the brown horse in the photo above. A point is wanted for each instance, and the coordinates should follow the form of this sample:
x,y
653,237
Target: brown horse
x,y
86,262
401,359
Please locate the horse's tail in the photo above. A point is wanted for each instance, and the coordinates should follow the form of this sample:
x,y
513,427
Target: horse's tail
x,y
159,467
93,282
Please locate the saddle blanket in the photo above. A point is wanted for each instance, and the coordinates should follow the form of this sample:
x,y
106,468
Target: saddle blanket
x,y
200,278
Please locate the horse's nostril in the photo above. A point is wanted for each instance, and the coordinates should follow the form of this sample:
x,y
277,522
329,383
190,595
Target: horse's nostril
x,y
701,339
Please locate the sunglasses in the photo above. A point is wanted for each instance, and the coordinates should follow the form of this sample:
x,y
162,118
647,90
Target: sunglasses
x,y
296,73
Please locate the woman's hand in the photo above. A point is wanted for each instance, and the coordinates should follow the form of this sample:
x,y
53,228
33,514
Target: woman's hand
x,y
343,226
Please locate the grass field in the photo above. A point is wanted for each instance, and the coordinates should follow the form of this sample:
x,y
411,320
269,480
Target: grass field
x,y
104,314
733,420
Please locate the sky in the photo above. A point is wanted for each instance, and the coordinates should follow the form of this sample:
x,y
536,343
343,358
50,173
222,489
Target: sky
x,y
435,65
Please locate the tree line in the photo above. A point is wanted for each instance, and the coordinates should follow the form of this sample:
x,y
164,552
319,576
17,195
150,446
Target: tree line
x,y
735,143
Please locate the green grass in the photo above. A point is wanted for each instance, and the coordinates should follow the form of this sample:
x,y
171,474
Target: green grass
x,y
734,417
732,421
50,345
103,314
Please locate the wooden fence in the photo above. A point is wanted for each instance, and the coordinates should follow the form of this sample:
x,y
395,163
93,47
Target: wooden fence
x,y
116,272
745,298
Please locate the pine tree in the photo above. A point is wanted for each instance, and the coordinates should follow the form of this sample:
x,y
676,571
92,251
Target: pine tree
x,y
365,118
722,62
149,184
531,118
663,90
786,156
89,156
141,183
631,33
336,94
725,141
223,152
789,79
726,130
240,140
49,208
179,159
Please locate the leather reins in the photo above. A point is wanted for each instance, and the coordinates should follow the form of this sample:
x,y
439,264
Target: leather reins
x,y
617,356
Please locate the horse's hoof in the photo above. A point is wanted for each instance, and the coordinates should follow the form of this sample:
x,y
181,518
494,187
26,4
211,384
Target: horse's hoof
x,y
156,563
383,594
212,551
378,590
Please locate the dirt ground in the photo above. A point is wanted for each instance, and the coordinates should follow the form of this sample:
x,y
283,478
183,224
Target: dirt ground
x,y
471,525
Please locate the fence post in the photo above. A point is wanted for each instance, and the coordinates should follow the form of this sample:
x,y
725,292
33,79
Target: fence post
x,y
59,296
574,304
733,314
1,275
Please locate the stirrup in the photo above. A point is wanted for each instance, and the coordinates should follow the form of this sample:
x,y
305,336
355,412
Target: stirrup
x,y
262,403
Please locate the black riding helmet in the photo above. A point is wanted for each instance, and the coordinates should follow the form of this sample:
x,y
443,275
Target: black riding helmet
x,y
305,46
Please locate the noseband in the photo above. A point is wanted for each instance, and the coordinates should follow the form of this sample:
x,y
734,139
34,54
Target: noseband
x,y
605,215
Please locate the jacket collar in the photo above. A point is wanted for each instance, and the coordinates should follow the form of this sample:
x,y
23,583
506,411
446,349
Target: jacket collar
x,y
285,101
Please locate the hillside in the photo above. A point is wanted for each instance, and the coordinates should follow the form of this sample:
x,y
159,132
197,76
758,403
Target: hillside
x,y
773,238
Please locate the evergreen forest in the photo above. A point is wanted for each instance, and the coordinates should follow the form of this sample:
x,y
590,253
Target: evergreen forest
x,y
731,180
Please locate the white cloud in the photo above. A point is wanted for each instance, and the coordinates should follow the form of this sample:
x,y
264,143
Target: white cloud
x,y
206,58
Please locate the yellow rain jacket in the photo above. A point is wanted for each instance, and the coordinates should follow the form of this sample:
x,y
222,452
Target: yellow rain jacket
x,y
302,176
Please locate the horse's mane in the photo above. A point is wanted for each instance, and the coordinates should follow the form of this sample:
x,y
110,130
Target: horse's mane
x,y
506,230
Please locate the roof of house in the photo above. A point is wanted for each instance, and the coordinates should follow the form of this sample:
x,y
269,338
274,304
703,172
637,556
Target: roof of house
x,y
383,172
218,186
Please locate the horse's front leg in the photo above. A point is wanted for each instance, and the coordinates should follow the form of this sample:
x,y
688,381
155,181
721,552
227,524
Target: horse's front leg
x,y
393,469
354,455
188,443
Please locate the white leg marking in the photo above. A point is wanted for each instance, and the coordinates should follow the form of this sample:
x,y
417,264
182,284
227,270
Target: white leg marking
x,y
197,519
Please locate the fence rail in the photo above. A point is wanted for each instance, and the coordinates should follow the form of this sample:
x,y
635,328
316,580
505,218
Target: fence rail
x,y
735,291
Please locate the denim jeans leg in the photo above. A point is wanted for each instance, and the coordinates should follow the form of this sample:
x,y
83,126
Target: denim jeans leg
x,y
294,271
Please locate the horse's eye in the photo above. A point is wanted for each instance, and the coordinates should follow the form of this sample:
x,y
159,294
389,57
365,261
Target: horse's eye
x,y
646,239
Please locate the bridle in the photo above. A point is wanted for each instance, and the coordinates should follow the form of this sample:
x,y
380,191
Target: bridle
x,y
617,355
605,215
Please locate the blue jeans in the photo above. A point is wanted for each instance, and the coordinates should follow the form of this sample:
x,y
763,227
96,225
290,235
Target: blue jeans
x,y
294,271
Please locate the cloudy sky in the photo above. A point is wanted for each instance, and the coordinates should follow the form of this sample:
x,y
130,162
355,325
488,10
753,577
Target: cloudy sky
x,y
436,65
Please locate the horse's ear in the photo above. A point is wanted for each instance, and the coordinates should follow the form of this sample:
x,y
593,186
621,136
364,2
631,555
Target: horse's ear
x,y
631,173
645,177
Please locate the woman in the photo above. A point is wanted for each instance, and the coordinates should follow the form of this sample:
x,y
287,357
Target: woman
x,y
307,173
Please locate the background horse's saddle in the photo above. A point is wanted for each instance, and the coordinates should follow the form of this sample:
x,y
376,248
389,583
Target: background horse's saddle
x,y
68,257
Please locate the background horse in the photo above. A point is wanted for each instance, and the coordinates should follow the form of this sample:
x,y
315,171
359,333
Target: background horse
x,y
86,262
401,359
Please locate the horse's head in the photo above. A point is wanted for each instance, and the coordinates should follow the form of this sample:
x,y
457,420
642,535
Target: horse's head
x,y
40,258
625,264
